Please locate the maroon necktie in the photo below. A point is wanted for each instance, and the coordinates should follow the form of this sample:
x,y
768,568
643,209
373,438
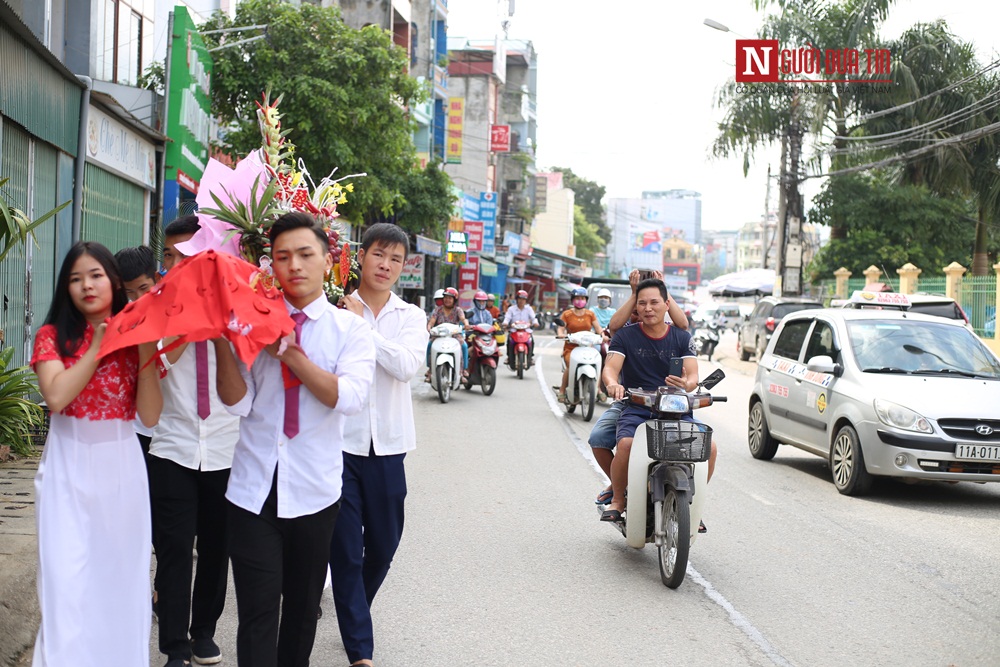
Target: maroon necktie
x,y
292,393
201,366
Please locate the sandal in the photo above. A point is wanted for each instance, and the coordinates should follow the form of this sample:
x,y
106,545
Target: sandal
x,y
701,527
604,497
611,515
561,397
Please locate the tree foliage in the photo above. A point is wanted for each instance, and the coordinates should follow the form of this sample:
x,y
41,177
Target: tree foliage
x,y
585,235
588,197
426,201
346,94
890,224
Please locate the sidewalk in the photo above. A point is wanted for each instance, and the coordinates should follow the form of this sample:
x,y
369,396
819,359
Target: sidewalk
x,y
19,614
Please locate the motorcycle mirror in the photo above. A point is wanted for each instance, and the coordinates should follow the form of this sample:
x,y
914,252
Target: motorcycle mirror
x,y
714,378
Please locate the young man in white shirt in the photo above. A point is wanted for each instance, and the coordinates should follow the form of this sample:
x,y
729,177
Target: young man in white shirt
x,y
189,459
370,523
284,488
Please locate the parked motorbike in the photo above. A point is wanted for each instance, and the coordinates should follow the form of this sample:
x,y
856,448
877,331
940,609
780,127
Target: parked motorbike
x,y
484,356
446,359
666,468
706,339
520,360
584,372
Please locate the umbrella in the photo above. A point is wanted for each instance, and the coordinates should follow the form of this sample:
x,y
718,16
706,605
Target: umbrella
x,y
743,283
206,296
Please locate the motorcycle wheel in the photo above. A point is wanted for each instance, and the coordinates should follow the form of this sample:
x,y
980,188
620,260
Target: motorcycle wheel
x,y
488,379
521,364
589,398
444,383
676,519
711,349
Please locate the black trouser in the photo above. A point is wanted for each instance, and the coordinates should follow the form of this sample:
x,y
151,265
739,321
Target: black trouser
x,y
278,564
186,503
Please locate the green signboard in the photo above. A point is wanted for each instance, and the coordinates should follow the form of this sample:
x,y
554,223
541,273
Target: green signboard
x,y
189,105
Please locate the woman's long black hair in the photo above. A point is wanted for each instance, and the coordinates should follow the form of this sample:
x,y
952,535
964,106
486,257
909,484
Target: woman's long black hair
x,y
63,315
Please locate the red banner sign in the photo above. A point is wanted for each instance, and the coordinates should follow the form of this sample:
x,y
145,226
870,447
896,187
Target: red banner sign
x,y
468,275
475,232
500,138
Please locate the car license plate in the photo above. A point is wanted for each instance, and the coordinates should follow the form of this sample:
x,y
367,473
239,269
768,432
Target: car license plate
x,y
978,452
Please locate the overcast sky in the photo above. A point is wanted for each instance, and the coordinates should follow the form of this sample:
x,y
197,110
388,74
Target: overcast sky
x,y
625,88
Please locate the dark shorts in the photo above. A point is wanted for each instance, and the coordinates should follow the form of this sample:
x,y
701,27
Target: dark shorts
x,y
632,417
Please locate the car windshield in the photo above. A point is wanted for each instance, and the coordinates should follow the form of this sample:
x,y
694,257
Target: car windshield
x,y
782,309
619,293
914,347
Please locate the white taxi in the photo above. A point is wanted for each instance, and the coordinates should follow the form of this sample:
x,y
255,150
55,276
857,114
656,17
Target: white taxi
x,y
879,392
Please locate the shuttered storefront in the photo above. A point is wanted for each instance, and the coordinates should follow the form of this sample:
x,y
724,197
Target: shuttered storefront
x,y
114,210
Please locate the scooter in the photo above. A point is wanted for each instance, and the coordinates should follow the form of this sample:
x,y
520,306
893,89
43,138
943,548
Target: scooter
x,y
520,336
706,339
665,469
446,359
584,371
484,356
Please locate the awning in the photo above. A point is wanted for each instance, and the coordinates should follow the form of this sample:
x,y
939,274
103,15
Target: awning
x,y
519,281
568,287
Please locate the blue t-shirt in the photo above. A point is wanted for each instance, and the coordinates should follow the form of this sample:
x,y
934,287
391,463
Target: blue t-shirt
x,y
604,315
647,360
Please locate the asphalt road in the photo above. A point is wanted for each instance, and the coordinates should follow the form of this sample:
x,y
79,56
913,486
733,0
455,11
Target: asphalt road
x,y
503,561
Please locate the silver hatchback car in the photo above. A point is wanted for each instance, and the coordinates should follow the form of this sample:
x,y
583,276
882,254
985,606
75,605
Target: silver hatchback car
x,y
879,393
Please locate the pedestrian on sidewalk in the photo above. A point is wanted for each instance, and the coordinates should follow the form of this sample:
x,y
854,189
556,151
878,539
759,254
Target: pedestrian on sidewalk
x,y
370,523
189,460
285,485
91,492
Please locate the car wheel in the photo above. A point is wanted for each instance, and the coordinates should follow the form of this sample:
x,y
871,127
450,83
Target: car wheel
x,y
744,353
847,463
762,445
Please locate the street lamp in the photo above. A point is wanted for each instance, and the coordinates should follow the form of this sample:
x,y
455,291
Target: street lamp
x,y
715,25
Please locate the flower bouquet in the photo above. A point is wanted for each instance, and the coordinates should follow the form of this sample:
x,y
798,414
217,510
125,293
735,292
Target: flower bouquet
x,y
238,206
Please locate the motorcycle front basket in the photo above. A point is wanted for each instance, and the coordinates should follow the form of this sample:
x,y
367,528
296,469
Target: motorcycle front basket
x,y
671,440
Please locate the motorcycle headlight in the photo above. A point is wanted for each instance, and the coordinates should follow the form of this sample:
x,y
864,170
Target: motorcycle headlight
x,y
674,403
897,416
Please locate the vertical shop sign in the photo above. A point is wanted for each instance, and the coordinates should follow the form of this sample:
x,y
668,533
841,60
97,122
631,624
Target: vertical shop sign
x,y
456,124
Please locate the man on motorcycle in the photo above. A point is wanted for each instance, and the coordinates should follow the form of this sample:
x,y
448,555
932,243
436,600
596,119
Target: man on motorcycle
x,y
520,312
641,354
603,309
577,318
448,312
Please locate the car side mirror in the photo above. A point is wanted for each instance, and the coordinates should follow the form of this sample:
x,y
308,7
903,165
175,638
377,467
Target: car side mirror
x,y
824,364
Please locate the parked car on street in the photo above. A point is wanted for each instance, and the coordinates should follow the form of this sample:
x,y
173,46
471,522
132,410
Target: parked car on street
x,y
709,312
756,330
879,393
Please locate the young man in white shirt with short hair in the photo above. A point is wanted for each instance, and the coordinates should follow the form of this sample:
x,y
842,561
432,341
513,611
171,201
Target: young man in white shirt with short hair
x,y
370,523
285,485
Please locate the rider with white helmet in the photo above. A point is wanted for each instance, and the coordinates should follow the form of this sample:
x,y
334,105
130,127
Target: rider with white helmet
x,y
603,309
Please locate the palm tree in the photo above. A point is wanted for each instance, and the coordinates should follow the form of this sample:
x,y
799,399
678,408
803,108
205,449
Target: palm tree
x,y
756,116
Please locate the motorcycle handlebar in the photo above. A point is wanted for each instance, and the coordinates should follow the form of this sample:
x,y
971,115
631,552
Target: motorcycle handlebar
x,y
719,399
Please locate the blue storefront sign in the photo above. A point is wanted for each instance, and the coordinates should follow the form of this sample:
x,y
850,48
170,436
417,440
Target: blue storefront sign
x,y
488,216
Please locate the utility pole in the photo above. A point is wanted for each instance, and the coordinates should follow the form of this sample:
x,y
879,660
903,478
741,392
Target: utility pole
x,y
788,279
767,208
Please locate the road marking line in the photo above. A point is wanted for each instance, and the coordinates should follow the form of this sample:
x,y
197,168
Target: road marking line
x,y
735,617
562,416
761,500
738,619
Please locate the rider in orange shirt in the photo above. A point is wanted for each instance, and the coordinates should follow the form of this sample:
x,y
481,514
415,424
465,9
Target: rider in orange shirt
x,y
577,318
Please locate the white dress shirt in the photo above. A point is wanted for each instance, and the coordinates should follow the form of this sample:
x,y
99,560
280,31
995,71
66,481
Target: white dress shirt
x,y
311,464
386,420
181,435
515,314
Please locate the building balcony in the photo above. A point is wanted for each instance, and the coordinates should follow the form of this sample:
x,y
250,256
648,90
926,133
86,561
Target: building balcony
x,y
440,82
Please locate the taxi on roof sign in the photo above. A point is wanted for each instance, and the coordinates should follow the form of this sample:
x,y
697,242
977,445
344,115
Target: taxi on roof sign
x,y
862,299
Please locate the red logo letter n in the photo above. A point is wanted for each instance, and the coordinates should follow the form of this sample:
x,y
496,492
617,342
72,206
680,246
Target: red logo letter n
x,y
756,60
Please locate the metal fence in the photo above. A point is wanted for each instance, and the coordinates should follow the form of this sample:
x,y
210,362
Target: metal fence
x,y
935,285
978,299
